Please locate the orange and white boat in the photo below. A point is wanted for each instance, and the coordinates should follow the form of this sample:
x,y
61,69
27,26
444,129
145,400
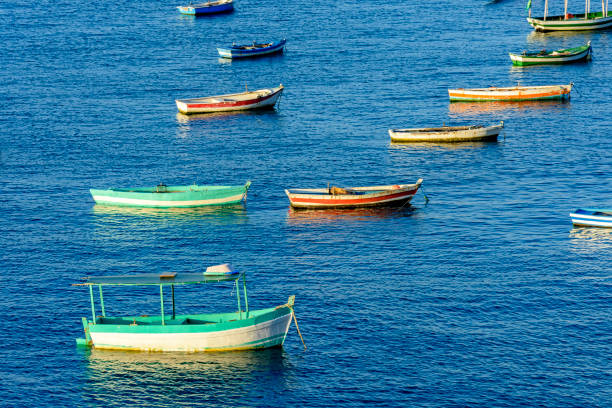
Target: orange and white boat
x,y
514,93
352,197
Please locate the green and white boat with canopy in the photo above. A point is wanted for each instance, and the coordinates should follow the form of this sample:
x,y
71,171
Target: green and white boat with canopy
x,y
240,330
572,22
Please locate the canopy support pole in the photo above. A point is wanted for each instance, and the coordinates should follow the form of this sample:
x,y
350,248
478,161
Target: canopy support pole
x,y
173,314
102,301
565,14
545,9
161,295
238,297
93,306
246,299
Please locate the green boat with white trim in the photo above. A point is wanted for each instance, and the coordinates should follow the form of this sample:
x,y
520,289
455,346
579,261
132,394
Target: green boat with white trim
x,y
572,22
162,196
244,329
563,56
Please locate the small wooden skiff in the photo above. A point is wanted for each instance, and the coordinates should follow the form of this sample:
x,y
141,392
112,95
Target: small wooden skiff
x,y
241,330
163,196
447,134
211,7
515,93
563,56
591,217
252,50
262,98
351,197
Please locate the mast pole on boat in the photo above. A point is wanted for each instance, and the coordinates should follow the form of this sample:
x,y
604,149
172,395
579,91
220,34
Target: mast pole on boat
x,y
586,9
565,14
173,314
246,299
102,301
545,9
161,297
93,306
238,297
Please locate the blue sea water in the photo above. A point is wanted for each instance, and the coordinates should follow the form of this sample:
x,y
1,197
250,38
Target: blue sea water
x,y
485,296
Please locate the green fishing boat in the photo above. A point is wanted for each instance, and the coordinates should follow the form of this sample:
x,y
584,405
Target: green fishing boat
x,y
162,196
562,56
238,330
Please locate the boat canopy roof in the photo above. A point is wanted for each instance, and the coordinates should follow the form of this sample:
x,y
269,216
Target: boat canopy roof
x,y
159,279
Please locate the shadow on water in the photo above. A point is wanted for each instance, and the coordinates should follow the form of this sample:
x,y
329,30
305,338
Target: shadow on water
x,y
132,378
221,116
328,216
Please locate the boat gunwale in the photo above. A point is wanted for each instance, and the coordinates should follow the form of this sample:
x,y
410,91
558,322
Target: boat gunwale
x,y
375,191
514,88
267,92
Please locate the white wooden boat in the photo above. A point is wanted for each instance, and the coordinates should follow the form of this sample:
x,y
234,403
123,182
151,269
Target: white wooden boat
x,y
352,197
513,93
261,98
447,134
237,330
572,22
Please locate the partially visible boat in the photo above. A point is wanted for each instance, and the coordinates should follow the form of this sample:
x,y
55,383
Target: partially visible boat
x,y
352,197
262,98
210,7
572,22
447,134
252,50
513,93
562,56
592,217
163,196
244,329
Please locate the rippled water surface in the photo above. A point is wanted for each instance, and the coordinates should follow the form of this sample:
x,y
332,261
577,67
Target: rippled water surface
x,y
485,296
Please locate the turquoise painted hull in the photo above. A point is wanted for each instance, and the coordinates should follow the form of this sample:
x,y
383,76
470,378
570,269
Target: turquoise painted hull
x,y
201,332
171,196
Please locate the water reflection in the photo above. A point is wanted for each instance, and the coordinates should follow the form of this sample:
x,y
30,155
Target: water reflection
x,y
590,239
442,146
486,108
576,37
325,216
219,215
170,379
219,116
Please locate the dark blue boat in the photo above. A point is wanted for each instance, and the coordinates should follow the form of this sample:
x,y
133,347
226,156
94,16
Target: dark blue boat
x,y
211,7
252,50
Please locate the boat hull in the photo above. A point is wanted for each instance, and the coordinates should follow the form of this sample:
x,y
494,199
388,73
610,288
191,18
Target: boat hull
x,y
511,94
526,60
232,53
384,196
188,107
177,197
446,135
595,21
592,218
265,328
199,10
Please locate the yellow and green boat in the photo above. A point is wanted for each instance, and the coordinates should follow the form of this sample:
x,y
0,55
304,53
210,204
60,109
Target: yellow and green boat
x,y
237,330
162,196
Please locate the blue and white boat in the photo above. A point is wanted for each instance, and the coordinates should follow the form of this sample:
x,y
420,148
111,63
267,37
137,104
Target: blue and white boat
x,y
592,217
211,7
252,50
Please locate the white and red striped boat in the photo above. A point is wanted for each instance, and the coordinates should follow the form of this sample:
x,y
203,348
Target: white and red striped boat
x,y
336,197
262,98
